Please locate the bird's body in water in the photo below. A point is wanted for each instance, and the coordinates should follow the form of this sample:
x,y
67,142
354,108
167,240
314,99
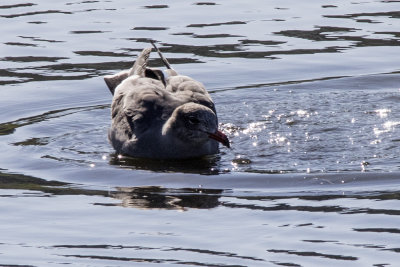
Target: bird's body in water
x,y
157,118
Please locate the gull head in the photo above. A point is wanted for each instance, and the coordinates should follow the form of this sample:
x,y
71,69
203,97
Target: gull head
x,y
195,124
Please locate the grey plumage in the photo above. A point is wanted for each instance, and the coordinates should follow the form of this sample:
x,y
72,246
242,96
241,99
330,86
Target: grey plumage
x,y
154,118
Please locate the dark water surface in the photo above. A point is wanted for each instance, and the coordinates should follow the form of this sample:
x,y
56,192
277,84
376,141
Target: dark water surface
x,y
308,92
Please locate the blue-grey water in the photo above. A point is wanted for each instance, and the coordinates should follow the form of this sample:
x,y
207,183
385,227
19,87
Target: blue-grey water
x,y
307,91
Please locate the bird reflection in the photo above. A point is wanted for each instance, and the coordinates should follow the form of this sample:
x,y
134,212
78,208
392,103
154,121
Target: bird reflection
x,y
154,197
208,165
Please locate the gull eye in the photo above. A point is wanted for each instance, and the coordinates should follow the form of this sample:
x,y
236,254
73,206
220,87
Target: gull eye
x,y
193,120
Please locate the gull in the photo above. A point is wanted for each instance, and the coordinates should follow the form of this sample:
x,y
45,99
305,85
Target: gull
x,y
158,118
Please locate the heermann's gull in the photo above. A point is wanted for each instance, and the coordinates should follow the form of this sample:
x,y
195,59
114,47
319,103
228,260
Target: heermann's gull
x,y
157,118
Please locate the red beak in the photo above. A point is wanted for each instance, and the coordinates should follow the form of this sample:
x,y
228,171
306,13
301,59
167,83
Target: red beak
x,y
220,137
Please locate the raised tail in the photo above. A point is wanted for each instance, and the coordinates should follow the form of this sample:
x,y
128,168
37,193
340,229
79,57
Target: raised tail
x,y
170,71
140,65
164,60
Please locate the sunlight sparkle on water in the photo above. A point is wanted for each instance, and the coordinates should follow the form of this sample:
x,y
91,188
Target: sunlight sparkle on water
x,y
254,127
383,112
387,127
276,138
375,142
390,125
301,113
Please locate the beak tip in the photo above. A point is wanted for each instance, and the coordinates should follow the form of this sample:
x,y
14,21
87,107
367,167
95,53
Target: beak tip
x,y
227,143
220,137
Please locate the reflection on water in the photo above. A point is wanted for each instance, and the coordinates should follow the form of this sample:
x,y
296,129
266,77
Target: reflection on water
x,y
281,228
162,198
205,165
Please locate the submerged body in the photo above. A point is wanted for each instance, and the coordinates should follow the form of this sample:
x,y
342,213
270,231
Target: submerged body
x,y
154,118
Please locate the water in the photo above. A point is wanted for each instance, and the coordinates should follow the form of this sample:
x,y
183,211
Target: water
x,y
307,92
